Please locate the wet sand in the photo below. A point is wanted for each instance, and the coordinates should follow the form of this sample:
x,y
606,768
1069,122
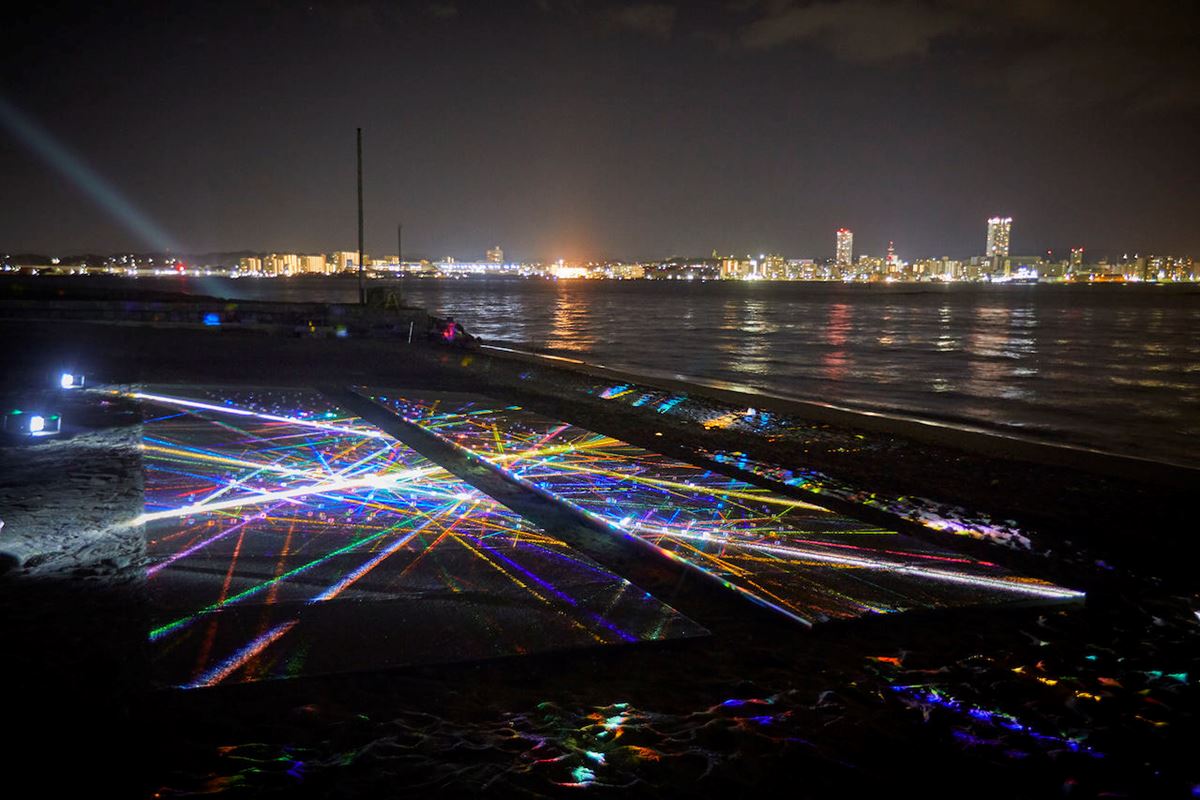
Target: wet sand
x,y
1085,700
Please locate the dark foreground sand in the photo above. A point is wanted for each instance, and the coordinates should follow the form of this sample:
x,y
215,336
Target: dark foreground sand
x,y
1092,700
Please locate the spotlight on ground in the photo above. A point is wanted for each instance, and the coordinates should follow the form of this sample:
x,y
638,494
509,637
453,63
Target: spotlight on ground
x,y
70,381
20,423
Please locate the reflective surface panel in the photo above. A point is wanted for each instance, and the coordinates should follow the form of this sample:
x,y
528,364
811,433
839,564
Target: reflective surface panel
x,y
287,537
796,557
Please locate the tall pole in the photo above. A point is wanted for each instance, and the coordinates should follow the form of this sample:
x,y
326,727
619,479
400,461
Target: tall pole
x,y
362,296
400,246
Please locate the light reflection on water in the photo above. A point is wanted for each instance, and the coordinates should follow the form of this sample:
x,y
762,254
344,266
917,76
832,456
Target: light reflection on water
x,y
1106,366
1116,367
570,327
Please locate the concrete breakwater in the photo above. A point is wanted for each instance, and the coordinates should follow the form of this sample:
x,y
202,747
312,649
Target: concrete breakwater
x,y
383,316
717,405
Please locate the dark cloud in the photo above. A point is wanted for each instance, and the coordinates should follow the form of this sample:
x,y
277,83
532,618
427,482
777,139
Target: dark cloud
x,y
859,30
652,19
1125,79
443,10
1138,57
1130,58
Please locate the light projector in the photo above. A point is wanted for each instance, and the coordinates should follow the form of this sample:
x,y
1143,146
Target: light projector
x,y
21,423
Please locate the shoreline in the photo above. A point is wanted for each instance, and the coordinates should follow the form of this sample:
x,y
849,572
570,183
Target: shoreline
x,y
960,389
959,434
1092,278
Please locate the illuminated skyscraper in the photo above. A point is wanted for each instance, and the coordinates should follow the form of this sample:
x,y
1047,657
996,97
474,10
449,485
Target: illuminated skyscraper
x,y
495,255
313,264
845,247
344,260
999,229
281,264
1076,259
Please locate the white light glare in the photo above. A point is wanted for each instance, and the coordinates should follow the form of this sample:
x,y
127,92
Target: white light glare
x,y
37,424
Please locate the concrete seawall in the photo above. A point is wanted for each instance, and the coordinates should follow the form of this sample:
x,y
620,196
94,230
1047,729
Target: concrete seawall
x,y
944,434
265,317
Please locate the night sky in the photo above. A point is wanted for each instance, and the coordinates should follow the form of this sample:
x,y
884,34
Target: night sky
x,y
589,130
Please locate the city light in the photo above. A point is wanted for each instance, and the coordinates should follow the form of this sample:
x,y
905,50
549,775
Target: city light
x,y
997,263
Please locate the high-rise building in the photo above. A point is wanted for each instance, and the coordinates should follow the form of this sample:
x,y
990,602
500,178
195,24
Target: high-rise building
x,y
774,267
845,247
495,255
627,271
1076,259
343,260
313,264
999,230
281,264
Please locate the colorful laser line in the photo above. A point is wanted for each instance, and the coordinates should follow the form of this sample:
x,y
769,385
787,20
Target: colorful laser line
x,y
794,556
306,510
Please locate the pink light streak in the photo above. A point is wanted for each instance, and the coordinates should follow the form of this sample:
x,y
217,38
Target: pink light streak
x,y
241,657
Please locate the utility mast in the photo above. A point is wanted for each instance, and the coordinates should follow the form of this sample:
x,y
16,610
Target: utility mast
x,y
362,295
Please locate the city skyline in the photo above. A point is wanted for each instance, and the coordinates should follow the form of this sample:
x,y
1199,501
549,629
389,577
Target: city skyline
x,y
996,264
997,248
615,130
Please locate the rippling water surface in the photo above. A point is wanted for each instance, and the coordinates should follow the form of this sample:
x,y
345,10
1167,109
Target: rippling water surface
x,y
1110,366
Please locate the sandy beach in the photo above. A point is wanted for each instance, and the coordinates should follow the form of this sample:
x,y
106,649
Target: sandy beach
x,y
1088,699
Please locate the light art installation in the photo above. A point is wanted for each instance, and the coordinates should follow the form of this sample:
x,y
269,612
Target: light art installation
x,y
941,517
795,557
287,537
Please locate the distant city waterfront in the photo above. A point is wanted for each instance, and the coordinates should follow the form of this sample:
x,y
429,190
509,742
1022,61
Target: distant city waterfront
x,y
996,267
997,264
1114,367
